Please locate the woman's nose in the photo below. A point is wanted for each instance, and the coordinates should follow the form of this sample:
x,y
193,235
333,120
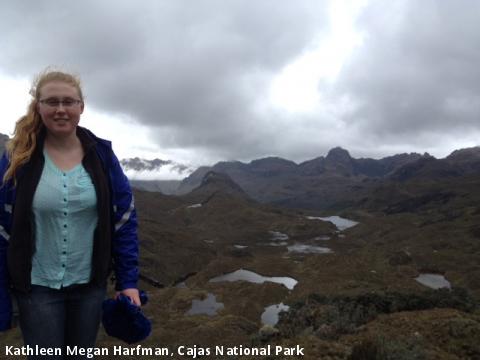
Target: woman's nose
x,y
60,107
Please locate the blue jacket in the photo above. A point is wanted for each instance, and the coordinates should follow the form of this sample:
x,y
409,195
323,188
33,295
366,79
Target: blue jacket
x,y
122,218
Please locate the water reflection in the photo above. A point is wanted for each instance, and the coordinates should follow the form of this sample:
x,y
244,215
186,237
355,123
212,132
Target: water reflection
x,y
240,246
278,238
208,306
194,206
309,249
277,235
339,222
434,281
253,277
322,238
281,243
270,315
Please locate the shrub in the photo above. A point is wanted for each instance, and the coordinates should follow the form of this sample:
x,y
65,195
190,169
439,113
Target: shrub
x,y
344,314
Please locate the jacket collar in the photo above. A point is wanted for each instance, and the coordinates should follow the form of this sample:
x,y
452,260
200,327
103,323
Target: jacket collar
x,y
87,138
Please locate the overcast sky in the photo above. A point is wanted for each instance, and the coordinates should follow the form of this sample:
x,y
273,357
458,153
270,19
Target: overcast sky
x,y
202,81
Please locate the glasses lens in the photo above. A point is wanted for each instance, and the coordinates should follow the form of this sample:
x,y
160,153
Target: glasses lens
x,y
69,102
54,102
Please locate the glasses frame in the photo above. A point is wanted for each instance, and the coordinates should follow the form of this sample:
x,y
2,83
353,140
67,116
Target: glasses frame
x,y
55,103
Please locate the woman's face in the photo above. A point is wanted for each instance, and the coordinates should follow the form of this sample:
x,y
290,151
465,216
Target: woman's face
x,y
60,107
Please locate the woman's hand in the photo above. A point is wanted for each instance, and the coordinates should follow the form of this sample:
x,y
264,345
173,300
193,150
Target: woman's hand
x,y
133,294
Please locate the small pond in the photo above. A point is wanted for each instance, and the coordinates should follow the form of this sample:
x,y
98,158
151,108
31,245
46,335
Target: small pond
x,y
279,243
434,281
277,235
194,206
253,277
339,222
278,239
208,306
321,238
270,315
309,249
240,246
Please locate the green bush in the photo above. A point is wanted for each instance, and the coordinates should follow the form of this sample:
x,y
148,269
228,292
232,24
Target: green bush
x,y
329,317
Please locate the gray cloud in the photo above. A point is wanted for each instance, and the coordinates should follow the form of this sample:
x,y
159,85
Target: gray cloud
x,y
180,67
416,73
194,72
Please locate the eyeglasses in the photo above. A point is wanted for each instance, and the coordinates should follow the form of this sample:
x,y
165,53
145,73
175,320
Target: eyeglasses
x,y
55,103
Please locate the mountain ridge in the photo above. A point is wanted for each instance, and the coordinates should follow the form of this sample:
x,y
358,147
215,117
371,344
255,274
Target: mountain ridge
x,y
337,160
336,181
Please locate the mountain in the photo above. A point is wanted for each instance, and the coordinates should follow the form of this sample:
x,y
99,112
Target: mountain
x,y
193,180
321,183
427,168
336,181
468,154
339,161
459,163
384,166
217,183
446,187
468,160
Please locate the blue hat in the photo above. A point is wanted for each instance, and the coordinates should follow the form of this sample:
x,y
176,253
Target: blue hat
x,y
124,320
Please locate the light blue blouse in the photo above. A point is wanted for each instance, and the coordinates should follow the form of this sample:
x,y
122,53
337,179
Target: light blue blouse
x,y
65,212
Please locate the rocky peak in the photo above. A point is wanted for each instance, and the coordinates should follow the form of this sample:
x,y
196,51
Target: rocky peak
x,y
338,154
339,161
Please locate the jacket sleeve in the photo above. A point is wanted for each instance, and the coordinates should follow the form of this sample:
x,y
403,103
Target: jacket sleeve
x,y
5,217
125,239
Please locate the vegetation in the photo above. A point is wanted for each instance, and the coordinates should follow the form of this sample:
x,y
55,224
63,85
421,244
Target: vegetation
x,y
383,349
331,317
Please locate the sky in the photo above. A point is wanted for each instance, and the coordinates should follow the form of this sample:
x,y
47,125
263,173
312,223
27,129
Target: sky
x,y
198,82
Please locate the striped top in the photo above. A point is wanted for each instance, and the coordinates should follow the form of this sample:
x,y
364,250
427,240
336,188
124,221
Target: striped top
x,y
65,213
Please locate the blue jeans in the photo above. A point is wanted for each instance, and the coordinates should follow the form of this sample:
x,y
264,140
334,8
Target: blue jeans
x,y
52,318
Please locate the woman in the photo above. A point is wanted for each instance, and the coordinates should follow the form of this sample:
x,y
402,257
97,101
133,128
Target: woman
x,y
66,219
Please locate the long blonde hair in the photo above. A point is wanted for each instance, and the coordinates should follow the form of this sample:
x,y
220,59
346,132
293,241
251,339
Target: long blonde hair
x,y
27,129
